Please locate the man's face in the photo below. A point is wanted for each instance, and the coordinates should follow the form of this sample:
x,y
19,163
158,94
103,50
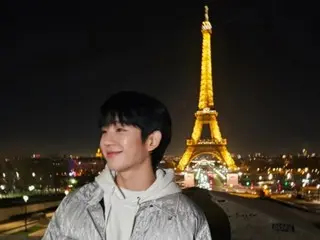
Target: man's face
x,y
122,147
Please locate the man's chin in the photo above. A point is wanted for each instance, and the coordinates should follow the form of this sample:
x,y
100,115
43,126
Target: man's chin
x,y
117,168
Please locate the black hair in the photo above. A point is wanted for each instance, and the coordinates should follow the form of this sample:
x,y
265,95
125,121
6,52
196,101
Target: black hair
x,y
141,111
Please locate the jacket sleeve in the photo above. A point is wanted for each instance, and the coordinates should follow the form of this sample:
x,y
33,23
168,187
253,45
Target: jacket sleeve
x,y
58,222
203,231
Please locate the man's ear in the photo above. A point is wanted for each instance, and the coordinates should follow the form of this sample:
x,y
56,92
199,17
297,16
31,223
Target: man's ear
x,y
153,140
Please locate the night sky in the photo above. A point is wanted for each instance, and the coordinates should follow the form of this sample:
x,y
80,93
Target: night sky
x,y
60,61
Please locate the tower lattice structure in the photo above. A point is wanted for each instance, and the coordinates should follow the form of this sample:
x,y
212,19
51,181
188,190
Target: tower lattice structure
x,y
206,114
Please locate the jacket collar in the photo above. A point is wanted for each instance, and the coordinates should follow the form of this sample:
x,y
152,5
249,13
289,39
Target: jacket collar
x,y
91,193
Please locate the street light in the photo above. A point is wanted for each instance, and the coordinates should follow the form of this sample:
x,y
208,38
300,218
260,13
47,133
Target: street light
x,y
31,188
25,198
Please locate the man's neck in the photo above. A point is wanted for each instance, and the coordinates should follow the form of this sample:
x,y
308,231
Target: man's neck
x,y
137,179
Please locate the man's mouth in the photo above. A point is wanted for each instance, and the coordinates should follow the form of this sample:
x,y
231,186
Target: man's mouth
x,y
113,154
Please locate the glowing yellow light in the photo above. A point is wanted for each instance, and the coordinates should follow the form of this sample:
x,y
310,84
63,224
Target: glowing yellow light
x,y
98,153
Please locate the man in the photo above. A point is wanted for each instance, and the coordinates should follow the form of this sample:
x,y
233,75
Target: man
x,y
132,198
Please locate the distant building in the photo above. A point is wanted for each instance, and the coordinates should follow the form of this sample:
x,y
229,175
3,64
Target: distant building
x,y
88,166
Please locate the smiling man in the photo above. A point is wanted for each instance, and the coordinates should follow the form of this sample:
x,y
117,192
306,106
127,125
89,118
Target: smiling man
x,y
132,198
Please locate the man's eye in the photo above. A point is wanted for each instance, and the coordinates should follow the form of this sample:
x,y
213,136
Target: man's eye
x,y
103,131
120,130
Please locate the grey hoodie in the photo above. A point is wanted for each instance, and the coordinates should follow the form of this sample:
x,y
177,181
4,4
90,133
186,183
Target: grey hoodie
x,y
124,206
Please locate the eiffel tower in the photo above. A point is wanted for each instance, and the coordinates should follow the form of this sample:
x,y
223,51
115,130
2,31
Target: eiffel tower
x,y
206,114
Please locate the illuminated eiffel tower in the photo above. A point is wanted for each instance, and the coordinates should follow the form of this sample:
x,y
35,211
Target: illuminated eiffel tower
x,y
206,114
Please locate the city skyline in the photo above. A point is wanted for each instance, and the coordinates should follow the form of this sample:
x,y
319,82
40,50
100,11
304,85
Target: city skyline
x,y
61,69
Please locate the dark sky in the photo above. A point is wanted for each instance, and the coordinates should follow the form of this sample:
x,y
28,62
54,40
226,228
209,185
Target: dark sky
x,y
60,61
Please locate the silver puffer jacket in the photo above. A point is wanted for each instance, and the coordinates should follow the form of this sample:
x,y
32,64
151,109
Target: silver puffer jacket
x,y
173,217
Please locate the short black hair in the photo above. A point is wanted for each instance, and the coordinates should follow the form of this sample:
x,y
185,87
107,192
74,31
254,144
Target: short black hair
x,y
142,111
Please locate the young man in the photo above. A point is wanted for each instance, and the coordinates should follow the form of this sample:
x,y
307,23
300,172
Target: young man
x,y
131,198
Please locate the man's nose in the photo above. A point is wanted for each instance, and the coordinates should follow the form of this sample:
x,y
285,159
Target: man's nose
x,y
107,139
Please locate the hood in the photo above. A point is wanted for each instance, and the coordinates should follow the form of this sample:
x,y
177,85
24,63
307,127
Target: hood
x,y
164,185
